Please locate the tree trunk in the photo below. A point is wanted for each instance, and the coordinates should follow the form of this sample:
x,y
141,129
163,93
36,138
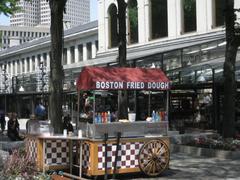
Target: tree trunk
x,y
56,68
229,72
122,56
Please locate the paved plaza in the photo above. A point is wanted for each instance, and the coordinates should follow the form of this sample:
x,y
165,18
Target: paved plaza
x,y
185,167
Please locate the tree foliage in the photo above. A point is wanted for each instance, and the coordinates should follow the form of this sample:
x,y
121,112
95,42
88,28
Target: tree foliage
x,y
133,20
232,44
8,7
57,9
122,56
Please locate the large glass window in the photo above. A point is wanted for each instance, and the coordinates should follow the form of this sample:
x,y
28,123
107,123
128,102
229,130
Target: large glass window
x,y
189,15
133,21
38,59
191,55
45,59
113,24
96,45
13,63
64,56
159,19
72,53
172,60
89,50
80,52
33,63
23,66
28,64
218,10
18,67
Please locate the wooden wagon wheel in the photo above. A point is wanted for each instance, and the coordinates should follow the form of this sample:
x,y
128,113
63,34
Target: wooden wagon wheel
x,y
154,157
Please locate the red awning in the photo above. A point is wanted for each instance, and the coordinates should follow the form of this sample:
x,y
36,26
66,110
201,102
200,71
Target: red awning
x,y
115,78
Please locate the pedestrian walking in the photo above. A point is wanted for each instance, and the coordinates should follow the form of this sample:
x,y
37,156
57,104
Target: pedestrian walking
x,y
40,111
2,120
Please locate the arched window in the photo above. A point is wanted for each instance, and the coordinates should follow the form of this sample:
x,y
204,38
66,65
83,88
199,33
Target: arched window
x,y
133,21
189,15
113,24
158,19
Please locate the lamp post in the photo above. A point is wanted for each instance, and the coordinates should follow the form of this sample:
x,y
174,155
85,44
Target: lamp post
x,y
42,69
5,88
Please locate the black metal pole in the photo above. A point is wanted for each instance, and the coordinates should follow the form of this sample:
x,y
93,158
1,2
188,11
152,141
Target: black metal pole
x,y
5,90
116,154
105,154
214,104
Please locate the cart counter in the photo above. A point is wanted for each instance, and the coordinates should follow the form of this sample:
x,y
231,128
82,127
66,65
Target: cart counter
x,y
129,129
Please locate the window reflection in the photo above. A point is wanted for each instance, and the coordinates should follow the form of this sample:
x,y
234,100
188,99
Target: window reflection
x,y
172,60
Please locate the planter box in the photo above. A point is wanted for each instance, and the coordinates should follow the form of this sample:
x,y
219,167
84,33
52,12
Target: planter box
x,y
197,151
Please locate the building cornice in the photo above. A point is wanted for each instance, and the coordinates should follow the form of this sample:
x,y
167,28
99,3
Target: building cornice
x,y
88,29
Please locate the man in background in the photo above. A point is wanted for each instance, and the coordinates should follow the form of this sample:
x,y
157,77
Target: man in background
x,y
40,111
2,120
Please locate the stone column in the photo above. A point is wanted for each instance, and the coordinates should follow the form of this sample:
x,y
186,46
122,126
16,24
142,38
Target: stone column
x,y
94,50
147,20
141,22
84,52
48,61
68,56
76,53
30,63
201,13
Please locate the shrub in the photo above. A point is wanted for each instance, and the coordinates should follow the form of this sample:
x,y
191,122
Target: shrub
x,y
19,164
216,143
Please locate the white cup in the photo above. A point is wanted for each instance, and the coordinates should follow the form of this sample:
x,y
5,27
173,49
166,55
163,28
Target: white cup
x,y
65,133
80,133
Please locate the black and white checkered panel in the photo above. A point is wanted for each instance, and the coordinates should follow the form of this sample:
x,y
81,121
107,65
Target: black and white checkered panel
x,y
31,146
128,155
85,156
56,152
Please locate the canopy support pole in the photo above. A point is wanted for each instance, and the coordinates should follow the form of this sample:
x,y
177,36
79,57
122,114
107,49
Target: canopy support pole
x,y
167,110
94,106
78,109
149,103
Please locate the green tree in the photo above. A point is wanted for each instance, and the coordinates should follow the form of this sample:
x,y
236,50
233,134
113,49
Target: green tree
x,y
122,55
133,21
8,7
233,42
57,9
56,69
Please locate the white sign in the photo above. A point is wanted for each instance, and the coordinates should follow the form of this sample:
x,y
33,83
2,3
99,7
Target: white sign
x,y
132,85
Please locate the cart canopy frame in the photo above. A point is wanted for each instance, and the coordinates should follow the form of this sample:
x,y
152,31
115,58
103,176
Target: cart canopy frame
x,y
120,78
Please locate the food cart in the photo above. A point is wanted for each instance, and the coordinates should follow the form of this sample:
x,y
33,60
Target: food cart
x,y
107,147
124,146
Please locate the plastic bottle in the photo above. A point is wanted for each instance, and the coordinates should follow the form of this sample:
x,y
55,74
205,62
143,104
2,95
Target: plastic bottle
x,y
99,118
103,117
96,118
153,116
109,116
158,116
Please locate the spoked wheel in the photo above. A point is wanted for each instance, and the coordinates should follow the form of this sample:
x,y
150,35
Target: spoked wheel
x,y
154,157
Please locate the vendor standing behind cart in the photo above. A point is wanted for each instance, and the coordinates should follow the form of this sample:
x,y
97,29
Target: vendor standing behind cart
x,y
67,123
86,105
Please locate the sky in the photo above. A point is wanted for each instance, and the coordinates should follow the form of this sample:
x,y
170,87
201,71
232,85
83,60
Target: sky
x,y
4,20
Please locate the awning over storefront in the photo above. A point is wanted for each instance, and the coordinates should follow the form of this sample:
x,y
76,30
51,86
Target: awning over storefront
x,y
115,78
